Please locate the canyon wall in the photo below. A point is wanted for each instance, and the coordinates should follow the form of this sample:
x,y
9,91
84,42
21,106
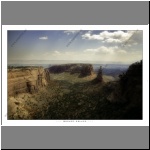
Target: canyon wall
x,y
26,79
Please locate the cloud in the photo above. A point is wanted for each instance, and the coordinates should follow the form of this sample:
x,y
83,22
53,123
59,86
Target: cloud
x,y
43,38
101,49
56,52
121,51
105,50
52,53
46,54
136,38
88,36
111,40
68,32
116,37
91,50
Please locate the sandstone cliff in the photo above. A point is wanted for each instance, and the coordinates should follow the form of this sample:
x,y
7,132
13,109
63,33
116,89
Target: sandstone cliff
x,y
26,79
83,69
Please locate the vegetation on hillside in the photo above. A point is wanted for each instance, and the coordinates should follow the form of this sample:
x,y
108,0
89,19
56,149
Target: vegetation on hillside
x,y
71,97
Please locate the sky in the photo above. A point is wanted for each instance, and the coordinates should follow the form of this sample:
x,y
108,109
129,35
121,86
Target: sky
x,y
115,46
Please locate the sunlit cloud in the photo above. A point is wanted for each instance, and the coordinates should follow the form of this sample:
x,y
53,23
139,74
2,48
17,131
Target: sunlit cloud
x,y
104,50
129,37
56,52
43,38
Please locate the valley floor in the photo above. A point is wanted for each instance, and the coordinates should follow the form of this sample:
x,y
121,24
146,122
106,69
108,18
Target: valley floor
x,y
66,97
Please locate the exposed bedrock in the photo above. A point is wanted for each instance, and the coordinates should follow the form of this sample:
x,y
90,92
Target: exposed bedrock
x,y
27,79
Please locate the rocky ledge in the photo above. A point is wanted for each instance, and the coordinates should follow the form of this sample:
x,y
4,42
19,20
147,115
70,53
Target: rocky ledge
x,y
27,79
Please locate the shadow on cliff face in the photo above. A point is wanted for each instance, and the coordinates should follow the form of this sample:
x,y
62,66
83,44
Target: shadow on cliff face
x,y
126,94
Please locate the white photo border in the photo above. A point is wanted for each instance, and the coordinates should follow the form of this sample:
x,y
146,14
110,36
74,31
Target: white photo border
x,y
143,122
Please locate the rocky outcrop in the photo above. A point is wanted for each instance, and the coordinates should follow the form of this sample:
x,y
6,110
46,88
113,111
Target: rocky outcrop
x,y
83,69
27,79
99,77
128,88
86,70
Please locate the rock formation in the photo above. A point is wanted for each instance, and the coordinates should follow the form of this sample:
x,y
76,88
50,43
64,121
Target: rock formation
x,y
83,69
86,70
27,79
99,75
128,88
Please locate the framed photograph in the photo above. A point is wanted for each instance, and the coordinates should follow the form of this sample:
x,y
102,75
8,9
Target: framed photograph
x,y
77,75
